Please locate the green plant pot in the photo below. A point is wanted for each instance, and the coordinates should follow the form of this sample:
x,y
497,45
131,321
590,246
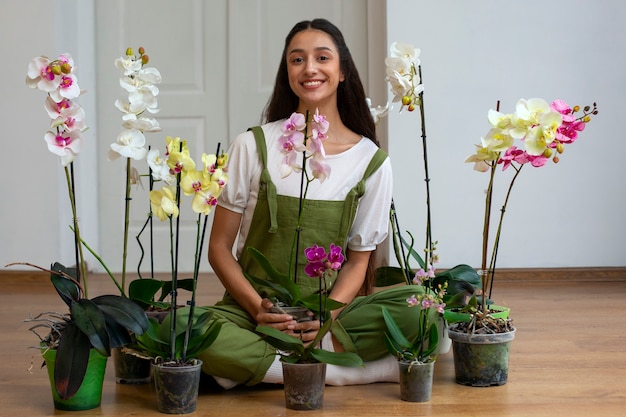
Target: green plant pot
x,y
304,385
499,312
130,369
177,387
416,381
89,395
481,360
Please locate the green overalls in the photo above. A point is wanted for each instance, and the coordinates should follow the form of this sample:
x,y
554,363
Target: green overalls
x,y
238,353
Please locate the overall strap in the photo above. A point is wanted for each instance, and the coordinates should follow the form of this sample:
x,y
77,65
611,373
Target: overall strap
x,y
352,199
266,181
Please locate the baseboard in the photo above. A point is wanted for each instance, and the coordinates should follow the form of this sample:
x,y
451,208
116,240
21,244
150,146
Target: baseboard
x,y
579,274
611,274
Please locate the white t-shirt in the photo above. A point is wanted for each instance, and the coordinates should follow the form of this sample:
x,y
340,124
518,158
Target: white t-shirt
x,y
371,224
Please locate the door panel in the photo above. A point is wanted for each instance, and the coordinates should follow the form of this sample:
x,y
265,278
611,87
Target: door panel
x,y
218,61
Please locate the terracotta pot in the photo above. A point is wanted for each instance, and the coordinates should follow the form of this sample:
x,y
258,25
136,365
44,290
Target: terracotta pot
x,y
481,360
416,381
177,387
304,385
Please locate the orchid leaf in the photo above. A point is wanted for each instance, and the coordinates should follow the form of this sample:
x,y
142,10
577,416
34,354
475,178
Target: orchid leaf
x,y
337,358
275,276
142,291
90,320
72,357
124,311
395,333
68,290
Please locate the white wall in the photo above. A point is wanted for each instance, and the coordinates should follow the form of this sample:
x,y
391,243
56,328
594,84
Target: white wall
x,y
477,52
473,53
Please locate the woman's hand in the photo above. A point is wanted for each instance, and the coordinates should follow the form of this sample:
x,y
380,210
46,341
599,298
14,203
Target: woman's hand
x,y
305,331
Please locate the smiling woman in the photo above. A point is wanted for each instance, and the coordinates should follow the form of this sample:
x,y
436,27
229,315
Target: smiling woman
x,y
262,207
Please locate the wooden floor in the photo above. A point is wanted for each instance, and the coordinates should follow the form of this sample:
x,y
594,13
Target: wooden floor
x,y
568,359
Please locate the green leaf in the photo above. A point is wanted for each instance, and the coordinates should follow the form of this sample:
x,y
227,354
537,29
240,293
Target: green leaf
x,y
412,252
262,286
280,340
143,291
395,333
185,284
279,278
312,302
125,312
205,339
90,320
433,341
337,358
68,290
71,361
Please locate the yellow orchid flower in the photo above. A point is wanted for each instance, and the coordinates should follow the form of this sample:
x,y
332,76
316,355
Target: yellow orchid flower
x,y
163,202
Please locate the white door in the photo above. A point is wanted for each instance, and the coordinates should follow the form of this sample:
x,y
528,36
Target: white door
x,y
218,61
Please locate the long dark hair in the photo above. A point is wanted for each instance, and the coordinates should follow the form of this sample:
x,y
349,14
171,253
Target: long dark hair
x,y
353,109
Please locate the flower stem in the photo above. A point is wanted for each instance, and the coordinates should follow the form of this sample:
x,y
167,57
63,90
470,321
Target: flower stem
x,y
126,224
487,219
429,241
78,249
494,253
303,192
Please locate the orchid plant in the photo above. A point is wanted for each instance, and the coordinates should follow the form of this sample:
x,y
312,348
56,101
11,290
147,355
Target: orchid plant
x,y
302,153
140,82
57,79
323,266
533,134
404,75
101,323
423,348
179,172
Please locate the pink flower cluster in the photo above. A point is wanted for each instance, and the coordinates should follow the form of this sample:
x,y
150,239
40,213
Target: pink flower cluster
x,y
294,141
566,133
58,80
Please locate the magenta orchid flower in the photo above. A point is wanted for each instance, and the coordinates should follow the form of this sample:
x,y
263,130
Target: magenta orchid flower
x,y
319,262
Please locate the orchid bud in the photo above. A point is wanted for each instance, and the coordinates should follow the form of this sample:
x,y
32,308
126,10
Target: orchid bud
x,y
587,119
66,68
411,107
56,69
145,59
547,153
576,109
406,100
555,159
129,51
560,147
141,50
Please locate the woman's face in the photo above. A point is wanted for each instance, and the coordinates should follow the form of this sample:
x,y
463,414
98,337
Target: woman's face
x,y
313,67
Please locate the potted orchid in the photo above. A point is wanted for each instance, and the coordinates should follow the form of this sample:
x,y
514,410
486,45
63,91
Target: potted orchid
x,y
76,344
404,75
282,287
304,366
174,343
535,133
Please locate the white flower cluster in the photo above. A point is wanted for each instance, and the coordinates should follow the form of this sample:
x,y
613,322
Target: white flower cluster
x,y
403,75
140,83
58,80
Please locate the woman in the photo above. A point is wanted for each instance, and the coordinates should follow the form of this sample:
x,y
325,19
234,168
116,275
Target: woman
x,y
316,73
